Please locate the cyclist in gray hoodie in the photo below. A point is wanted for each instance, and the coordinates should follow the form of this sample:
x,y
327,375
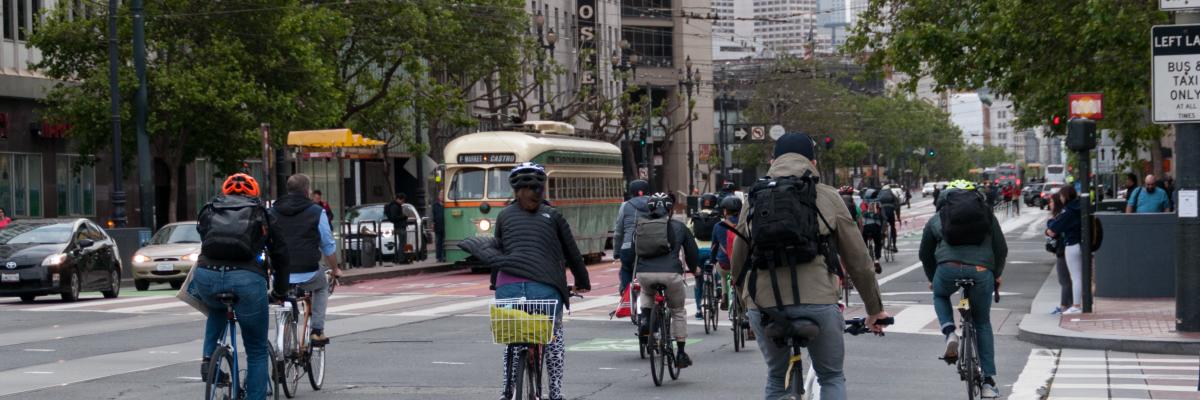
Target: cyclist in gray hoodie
x,y
623,229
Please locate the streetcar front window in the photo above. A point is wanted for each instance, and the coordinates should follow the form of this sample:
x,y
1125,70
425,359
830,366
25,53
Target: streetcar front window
x,y
498,186
467,185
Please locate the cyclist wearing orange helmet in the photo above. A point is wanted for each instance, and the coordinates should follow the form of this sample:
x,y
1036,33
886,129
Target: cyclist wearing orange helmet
x,y
235,229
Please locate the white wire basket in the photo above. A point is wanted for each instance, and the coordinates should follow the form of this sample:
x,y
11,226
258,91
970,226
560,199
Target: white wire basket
x,y
522,321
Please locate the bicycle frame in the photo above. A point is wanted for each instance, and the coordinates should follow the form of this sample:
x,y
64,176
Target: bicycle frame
x,y
968,354
231,331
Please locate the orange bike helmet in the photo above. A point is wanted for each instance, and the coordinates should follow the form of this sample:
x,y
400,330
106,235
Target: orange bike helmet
x,y
240,183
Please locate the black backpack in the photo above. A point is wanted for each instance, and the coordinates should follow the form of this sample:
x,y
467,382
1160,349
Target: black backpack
x,y
702,225
784,212
966,219
236,228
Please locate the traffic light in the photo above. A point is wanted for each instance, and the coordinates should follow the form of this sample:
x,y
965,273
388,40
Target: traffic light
x,y
931,153
828,143
1056,120
642,137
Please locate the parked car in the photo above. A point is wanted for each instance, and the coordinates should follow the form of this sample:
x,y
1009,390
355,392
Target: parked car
x,y
1049,189
369,217
168,256
40,257
1031,195
927,189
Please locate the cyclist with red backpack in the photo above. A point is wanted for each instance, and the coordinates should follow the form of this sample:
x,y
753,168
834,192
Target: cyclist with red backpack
x,y
234,229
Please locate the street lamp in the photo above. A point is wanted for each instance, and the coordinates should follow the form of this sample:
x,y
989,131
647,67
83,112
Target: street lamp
x,y
693,79
624,64
545,42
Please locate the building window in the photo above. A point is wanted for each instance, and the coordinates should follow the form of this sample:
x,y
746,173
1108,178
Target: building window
x,y
76,184
21,184
22,19
654,45
646,8
8,20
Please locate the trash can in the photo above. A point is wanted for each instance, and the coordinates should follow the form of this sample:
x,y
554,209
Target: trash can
x,y
360,250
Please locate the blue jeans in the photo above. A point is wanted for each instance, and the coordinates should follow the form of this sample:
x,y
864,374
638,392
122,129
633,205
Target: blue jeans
x,y
981,306
252,316
627,259
826,352
699,289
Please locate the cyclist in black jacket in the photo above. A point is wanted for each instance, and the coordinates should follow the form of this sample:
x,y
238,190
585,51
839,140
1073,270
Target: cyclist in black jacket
x,y
536,243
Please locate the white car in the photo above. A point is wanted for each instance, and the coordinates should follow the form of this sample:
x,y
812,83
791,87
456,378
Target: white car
x,y
370,219
927,189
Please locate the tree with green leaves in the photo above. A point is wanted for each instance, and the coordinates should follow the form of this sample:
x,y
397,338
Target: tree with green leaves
x,y
1034,52
215,71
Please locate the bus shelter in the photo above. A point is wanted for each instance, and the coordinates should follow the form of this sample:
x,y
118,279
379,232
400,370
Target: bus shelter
x,y
326,156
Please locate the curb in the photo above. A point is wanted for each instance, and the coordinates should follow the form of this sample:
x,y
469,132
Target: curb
x,y
1043,329
385,272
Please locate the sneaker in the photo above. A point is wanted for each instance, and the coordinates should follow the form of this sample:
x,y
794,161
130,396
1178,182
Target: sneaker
x,y
682,360
1073,310
1057,310
878,268
951,348
204,369
724,304
699,315
990,391
317,338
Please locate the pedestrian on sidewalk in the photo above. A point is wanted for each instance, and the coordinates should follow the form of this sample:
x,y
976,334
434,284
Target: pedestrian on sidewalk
x,y
394,212
316,198
1068,226
1149,198
439,230
1060,265
4,219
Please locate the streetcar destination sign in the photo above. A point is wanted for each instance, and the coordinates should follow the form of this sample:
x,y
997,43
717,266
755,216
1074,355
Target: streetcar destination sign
x,y
1176,73
501,158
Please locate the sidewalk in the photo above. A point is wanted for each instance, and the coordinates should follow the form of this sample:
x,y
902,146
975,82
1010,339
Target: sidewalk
x,y
1128,325
392,270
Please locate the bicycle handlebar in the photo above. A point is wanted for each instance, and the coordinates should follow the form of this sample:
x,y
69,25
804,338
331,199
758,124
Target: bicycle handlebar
x,y
858,326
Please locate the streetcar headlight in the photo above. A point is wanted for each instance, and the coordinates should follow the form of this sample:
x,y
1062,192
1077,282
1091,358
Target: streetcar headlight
x,y
484,225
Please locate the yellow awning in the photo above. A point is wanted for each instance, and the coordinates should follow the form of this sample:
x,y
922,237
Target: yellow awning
x,y
330,138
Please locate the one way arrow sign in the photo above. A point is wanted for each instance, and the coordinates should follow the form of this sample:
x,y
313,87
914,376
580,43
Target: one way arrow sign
x,y
740,133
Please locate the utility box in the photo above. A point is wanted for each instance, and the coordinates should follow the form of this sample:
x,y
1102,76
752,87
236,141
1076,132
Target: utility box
x,y
1137,258
128,241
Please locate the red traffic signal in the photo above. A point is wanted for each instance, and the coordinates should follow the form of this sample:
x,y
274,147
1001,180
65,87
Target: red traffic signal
x,y
828,142
1057,120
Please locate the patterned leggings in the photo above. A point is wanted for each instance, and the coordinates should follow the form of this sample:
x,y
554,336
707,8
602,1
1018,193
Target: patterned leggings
x,y
556,359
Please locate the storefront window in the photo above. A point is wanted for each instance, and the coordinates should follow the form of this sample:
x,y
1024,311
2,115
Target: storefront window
x,y
76,183
21,184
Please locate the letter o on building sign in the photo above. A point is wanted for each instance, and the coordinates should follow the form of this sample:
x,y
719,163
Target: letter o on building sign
x,y
586,12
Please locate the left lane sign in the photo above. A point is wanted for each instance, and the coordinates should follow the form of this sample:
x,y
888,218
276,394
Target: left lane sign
x,y
1176,73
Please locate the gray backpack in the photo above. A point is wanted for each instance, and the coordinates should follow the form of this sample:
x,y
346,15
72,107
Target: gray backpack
x,y
652,237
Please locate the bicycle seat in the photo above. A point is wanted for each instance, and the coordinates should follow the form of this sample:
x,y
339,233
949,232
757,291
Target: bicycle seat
x,y
227,298
964,283
802,330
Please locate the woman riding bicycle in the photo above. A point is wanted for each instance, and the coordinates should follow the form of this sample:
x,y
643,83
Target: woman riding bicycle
x,y
536,242
978,254
229,263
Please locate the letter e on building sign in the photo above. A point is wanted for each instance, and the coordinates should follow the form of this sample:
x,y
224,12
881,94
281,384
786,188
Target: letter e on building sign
x,y
1086,105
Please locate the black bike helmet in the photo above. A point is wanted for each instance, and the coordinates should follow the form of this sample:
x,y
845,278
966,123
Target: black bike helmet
x,y
709,201
732,204
660,204
638,188
527,175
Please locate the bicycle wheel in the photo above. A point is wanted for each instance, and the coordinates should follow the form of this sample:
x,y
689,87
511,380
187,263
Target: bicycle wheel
x,y
273,388
293,366
705,300
314,367
220,376
738,333
668,348
797,381
970,362
653,350
518,374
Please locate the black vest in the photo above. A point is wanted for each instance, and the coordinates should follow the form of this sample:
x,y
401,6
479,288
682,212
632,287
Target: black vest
x,y
302,236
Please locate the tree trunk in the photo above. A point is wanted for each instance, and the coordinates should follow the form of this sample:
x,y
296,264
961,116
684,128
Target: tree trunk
x,y
1156,158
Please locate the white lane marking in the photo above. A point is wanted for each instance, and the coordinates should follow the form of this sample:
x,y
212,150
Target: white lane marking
x,y
374,303
913,319
1141,360
899,273
188,378
1033,230
610,300
448,363
40,350
929,293
172,303
1065,366
448,309
1188,377
1039,368
92,303
1007,226
39,372
1122,386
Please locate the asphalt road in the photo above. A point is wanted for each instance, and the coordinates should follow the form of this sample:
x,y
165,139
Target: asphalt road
x,y
426,337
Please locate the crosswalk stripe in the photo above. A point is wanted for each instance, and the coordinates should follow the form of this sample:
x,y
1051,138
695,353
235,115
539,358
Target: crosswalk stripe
x,y
610,300
91,328
172,303
914,319
476,305
1062,367
375,303
1182,377
1032,379
1125,386
92,303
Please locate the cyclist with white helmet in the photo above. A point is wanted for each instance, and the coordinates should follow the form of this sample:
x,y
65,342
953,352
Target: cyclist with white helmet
x,y
536,242
665,269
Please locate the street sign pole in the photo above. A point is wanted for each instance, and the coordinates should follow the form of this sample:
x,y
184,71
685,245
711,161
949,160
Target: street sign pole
x,y
1176,100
